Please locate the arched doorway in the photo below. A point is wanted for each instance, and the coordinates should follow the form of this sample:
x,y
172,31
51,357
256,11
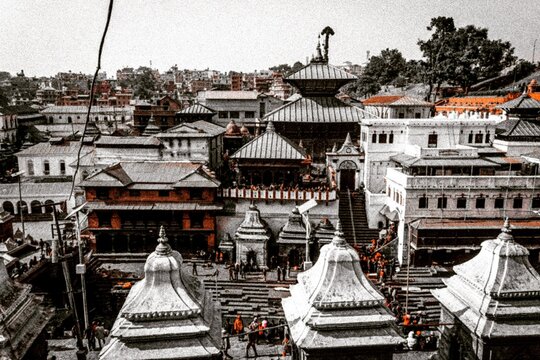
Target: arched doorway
x,y
8,206
35,207
347,175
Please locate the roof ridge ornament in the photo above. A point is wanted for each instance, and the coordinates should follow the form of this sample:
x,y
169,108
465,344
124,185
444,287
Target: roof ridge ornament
x,y
270,127
339,236
163,247
506,232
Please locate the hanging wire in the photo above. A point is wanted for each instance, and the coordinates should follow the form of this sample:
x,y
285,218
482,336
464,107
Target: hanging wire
x,y
109,13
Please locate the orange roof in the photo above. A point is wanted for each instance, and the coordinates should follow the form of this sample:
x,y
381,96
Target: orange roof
x,y
382,99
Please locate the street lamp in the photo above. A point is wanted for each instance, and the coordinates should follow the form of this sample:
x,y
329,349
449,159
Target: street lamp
x,y
304,212
21,208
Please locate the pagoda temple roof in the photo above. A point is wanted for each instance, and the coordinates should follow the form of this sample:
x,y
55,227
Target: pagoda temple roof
x,y
524,101
316,109
496,293
320,71
253,228
270,146
167,315
518,128
335,306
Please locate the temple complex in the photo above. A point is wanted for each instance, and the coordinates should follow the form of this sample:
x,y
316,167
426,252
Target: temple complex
x,y
491,307
344,166
317,111
22,320
336,312
252,239
167,315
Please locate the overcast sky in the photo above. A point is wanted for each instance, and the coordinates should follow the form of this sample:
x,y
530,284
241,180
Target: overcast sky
x,y
44,37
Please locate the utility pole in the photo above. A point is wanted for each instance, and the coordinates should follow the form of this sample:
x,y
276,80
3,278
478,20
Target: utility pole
x,y
19,174
67,278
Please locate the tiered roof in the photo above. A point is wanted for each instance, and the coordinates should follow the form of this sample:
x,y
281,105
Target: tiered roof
x,y
270,146
335,307
294,231
198,128
496,294
167,315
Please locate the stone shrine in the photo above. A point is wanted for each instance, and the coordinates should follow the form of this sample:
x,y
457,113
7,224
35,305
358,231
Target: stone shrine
x,y
491,307
335,312
292,239
251,238
167,315
22,320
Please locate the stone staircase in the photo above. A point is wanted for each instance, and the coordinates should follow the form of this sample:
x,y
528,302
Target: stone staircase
x,y
248,298
421,281
355,226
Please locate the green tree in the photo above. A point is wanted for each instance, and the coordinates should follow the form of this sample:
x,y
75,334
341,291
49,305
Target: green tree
x,y
386,67
145,83
283,68
462,56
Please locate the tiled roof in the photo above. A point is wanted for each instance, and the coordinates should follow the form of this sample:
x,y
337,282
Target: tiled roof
x,y
270,145
197,109
199,128
229,95
127,141
381,99
522,102
171,173
395,100
518,128
46,148
320,71
324,109
32,189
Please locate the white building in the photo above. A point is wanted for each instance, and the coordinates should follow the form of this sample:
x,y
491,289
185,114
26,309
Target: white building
x,y
199,141
77,114
397,107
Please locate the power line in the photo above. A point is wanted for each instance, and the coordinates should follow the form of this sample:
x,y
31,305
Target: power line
x,y
109,13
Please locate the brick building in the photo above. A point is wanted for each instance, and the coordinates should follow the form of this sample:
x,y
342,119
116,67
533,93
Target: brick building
x,y
128,201
163,111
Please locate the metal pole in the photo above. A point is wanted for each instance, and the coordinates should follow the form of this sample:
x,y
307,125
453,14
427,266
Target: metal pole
x,y
67,278
82,272
21,210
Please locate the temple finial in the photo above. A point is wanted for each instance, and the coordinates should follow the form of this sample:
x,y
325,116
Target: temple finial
x,y
270,127
163,247
339,236
348,140
506,231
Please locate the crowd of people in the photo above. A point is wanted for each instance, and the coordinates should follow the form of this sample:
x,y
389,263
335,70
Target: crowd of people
x,y
255,333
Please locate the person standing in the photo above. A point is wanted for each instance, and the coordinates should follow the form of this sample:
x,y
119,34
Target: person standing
x,y
90,337
41,245
225,344
264,273
252,337
236,271
194,269
278,270
231,272
238,326
100,334
286,346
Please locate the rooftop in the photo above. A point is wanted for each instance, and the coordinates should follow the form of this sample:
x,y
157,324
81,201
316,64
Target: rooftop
x,y
197,109
68,148
270,146
169,173
127,141
228,95
199,128
395,100
322,109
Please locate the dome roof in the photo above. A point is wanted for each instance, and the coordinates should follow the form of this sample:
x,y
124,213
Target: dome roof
x,y
336,280
244,130
162,293
232,129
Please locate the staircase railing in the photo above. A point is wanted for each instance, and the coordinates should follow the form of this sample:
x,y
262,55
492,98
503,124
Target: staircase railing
x,y
351,213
